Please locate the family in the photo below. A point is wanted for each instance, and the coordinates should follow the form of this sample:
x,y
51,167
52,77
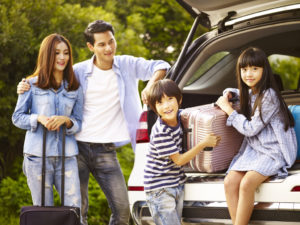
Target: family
x,y
98,102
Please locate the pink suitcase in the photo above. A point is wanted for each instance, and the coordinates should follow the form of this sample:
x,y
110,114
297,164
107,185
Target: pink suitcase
x,y
201,120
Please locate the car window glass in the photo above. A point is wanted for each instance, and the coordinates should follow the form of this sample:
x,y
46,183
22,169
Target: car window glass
x,y
209,63
288,68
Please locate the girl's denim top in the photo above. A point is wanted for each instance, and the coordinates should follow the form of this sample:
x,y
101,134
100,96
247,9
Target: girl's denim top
x,y
48,102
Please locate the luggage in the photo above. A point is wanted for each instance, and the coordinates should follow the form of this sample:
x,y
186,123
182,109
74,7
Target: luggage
x,y
50,215
295,110
201,120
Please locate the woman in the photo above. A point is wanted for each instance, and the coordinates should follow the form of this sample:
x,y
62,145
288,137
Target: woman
x,y
54,99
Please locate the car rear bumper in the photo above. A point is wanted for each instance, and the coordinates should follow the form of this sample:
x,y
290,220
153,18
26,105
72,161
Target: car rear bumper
x,y
217,213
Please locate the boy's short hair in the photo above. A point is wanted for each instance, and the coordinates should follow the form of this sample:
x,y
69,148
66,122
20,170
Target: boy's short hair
x,y
97,26
159,89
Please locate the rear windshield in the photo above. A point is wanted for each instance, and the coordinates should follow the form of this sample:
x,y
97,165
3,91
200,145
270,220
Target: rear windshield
x,y
207,65
286,69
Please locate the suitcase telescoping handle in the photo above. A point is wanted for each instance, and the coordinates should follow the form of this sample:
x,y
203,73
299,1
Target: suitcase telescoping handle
x,y
184,141
62,168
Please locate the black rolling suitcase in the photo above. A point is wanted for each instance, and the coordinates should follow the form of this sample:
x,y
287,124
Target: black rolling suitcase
x,y
51,215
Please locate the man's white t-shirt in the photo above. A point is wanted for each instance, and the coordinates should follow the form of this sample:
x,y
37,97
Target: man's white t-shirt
x,y
103,120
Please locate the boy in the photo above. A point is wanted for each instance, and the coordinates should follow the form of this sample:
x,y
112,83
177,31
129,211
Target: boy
x,y
163,175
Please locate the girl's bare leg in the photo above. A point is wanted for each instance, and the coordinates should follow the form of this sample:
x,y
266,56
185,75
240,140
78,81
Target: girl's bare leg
x,y
231,185
248,185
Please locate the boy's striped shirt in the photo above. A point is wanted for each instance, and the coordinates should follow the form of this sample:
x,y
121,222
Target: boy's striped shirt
x,y
160,171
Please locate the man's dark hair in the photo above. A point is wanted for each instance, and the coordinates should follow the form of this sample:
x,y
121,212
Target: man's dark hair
x,y
159,89
98,26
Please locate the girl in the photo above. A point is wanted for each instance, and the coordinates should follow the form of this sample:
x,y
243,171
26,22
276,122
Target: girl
x,y
269,146
53,100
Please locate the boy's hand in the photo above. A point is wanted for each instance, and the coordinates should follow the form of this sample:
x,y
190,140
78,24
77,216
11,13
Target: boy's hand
x,y
23,86
211,140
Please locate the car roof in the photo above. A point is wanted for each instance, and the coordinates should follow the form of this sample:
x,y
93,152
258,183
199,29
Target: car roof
x,y
218,10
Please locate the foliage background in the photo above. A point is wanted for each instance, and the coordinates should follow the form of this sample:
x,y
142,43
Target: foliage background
x,y
150,29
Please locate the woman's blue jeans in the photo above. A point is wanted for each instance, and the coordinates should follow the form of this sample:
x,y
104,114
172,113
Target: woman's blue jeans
x,y
32,167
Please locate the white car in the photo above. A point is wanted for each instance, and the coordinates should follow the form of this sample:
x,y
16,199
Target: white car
x,y
205,67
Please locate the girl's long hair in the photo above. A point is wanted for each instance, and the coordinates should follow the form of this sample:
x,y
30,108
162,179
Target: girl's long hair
x,y
256,57
46,61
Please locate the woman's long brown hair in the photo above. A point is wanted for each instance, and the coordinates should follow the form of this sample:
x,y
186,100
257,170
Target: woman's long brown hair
x,y
256,57
46,61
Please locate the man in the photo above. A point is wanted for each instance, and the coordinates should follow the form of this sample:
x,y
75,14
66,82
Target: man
x,y
110,114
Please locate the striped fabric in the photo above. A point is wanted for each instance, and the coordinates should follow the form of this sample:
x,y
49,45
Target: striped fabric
x,y
160,171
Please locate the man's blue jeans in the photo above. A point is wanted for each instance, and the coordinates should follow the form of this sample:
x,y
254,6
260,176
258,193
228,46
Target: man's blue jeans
x,y
166,205
101,160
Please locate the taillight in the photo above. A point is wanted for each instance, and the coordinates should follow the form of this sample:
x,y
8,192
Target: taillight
x,y
296,189
142,131
136,188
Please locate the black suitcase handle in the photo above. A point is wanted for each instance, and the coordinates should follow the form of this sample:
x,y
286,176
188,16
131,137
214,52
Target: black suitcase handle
x,y
62,168
184,140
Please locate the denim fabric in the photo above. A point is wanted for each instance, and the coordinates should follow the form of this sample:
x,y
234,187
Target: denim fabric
x,y
166,205
38,101
129,70
32,168
101,160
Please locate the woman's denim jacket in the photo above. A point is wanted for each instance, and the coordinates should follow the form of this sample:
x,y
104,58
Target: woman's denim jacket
x,y
47,102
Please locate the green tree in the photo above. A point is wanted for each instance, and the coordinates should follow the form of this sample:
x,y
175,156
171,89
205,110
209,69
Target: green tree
x,y
160,26
23,25
165,24
288,68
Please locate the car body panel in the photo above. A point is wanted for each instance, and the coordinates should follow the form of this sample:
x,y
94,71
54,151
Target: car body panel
x,y
218,10
264,193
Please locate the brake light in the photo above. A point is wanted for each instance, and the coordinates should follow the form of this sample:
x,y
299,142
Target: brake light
x,y
296,189
142,131
136,188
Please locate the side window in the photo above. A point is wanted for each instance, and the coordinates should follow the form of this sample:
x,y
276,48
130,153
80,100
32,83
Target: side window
x,y
288,68
210,62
